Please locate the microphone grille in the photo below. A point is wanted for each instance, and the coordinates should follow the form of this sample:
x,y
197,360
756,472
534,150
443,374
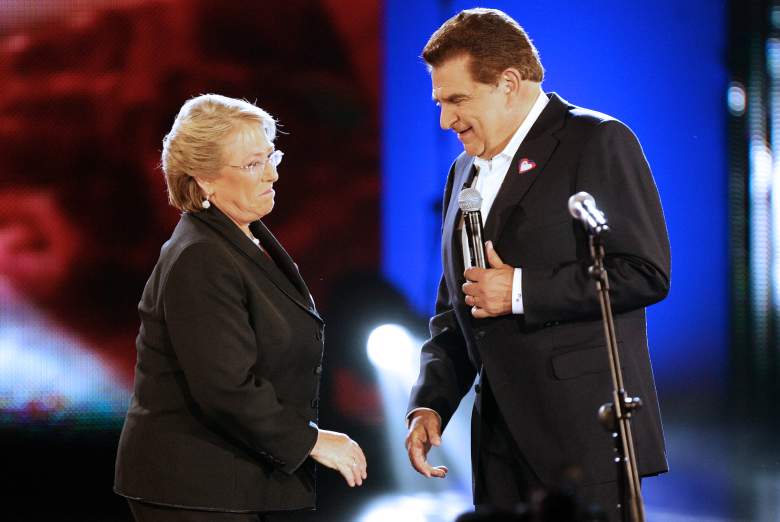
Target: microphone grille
x,y
577,201
469,200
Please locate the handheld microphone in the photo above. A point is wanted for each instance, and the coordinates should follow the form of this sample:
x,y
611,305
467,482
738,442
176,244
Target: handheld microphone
x,y
470,202
583,207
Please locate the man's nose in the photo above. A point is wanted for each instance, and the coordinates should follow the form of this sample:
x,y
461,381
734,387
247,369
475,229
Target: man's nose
x,y
447,118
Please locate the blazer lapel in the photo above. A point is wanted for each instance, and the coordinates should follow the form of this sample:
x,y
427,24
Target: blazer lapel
x,y
452,254
294,288
284,262
537,147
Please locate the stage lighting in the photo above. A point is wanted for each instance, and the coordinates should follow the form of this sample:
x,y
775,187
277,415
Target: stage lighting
x,y
443,506
395,354
391,347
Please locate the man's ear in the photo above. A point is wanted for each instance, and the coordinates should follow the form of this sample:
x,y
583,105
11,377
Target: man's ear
x,y
510,80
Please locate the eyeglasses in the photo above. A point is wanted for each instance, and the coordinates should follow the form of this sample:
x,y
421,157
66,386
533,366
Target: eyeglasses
x,y
275,158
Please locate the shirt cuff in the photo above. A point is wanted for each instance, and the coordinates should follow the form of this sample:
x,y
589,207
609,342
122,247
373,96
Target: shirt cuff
x,y
517,292
409,415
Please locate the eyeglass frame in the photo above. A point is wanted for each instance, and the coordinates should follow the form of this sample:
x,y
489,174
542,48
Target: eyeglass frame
x,y
275,158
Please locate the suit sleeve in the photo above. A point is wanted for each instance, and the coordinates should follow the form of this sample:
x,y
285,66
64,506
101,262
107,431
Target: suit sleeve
x,y
613,168
446,372
215,344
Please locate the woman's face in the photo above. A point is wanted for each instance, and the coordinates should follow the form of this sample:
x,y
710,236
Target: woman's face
x,y
244,188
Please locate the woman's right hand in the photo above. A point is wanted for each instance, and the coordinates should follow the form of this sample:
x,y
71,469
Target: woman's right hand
x,y
337,451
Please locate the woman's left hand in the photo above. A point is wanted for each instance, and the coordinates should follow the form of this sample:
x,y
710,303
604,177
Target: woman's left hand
x,y
337,451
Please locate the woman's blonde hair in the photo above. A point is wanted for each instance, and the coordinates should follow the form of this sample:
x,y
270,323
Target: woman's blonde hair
x,y
193,147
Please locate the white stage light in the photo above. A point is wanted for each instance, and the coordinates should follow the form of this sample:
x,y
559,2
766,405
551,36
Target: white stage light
x,y
391,347
443,506
395,354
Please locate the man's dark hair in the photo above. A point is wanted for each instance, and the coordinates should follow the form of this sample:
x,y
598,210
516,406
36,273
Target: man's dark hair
x,y
493,41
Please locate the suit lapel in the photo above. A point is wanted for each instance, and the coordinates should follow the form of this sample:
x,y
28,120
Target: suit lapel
x,y
283,261
292,285
452,254
537,147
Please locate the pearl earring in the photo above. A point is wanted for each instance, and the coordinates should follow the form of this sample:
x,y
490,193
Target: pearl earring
x,y
206,203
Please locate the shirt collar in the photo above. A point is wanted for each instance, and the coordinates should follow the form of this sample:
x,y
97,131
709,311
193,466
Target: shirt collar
x,y
522,131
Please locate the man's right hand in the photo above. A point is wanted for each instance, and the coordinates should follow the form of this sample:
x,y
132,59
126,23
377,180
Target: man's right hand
x,y
424,432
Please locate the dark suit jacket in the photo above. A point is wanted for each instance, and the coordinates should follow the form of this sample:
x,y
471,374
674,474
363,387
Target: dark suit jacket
x,y
227,378
548,368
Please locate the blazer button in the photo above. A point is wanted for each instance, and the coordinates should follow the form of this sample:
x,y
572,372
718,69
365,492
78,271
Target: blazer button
x,y
318,369
477,388
319,336
315,404
479,334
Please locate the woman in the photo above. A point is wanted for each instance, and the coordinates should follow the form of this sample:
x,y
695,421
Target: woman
x,y
222,421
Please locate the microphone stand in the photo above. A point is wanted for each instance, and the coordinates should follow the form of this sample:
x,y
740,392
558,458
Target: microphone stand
x,y
615,416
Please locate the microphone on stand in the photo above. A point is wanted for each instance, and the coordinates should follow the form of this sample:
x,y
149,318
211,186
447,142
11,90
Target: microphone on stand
x,y
583,207
617,414
470,203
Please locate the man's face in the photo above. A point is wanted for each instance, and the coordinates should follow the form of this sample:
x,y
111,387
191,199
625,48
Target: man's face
x,y
476,111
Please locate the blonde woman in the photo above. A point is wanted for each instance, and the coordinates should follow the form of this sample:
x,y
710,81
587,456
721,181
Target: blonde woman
x,y
222,424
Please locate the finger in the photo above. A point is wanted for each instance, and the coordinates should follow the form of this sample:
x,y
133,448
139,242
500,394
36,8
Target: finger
x,y
362,470
492,256
360,473
357,463
417,454
361,457
412,447
473,274
469,288
439,471
357,474
417,435
346,472
433,471
428,471
479,313
432,431
417,458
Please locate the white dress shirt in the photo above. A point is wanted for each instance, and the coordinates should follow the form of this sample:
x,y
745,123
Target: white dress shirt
x,y
489,180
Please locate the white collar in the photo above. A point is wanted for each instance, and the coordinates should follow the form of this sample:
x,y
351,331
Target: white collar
x,y
522,131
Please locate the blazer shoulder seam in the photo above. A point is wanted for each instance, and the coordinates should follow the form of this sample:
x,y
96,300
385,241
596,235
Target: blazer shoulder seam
x,y
188,245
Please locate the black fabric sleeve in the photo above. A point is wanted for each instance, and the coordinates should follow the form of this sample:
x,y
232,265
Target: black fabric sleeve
x,y
446,372
614,170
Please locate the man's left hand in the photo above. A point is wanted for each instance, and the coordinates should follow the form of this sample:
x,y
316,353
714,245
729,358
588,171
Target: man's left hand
x,y
489,290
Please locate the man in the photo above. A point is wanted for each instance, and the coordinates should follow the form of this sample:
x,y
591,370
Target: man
x,y
530,325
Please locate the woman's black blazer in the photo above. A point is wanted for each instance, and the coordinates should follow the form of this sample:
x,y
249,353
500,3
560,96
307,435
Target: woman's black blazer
x,y
227,377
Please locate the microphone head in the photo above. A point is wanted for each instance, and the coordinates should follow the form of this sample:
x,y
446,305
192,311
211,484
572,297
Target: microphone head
x,y
469,200
578,201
